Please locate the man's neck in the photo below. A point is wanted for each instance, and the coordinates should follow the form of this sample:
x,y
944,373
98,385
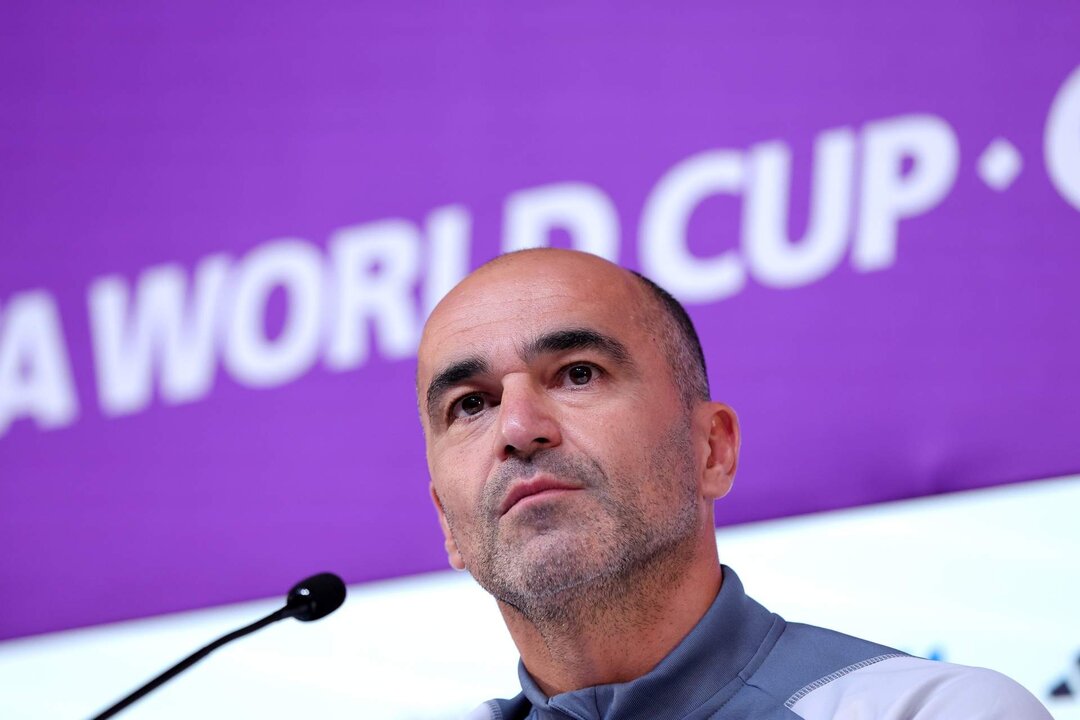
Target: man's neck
x,y
617,636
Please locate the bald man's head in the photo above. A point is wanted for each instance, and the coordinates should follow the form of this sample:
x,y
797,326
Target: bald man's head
x,y
569,435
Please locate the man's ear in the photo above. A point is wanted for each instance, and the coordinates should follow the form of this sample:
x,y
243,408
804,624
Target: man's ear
x,y
721,449
452,554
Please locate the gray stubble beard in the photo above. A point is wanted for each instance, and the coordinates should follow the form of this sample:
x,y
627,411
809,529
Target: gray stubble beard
x,y
581,581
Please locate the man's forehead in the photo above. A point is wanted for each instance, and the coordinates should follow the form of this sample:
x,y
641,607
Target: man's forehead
x,y
507,333
517,300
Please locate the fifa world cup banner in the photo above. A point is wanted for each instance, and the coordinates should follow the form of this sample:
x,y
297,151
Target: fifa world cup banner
x,y
222,230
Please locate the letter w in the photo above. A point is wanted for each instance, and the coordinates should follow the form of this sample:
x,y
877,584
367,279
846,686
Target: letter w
x,y
162,330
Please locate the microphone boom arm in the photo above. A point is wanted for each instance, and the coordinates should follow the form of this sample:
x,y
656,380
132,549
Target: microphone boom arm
x,y
191,660
310,599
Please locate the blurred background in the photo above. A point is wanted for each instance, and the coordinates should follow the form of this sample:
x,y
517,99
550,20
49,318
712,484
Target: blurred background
x,y
221,229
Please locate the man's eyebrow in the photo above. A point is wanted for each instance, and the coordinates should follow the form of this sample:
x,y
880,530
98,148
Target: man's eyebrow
x,y
577,339
555,341
450,376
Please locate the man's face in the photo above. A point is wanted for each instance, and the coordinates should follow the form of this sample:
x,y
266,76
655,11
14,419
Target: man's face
x,y
559,449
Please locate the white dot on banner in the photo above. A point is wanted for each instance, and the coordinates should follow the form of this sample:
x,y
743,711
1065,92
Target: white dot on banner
x,y
999,164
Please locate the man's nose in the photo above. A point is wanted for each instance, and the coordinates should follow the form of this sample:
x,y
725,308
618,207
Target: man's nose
x,y
527,420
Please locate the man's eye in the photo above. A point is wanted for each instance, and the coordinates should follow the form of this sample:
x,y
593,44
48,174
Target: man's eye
x,y
468,405
580,374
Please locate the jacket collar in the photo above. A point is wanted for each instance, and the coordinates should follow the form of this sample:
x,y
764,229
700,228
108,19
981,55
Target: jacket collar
x,y
707,662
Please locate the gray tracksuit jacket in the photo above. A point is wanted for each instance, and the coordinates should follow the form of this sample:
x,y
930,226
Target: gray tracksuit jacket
x,y
742,661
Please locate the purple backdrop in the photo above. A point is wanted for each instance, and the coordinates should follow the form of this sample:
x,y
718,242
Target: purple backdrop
x,y
136,136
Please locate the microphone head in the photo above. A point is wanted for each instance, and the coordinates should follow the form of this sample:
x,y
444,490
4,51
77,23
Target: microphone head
x,y
316,597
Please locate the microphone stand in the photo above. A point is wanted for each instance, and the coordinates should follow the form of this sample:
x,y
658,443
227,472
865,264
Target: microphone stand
x,y
310,599
194,658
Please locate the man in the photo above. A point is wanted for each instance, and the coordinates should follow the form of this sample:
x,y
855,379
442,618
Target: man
x,y
575,455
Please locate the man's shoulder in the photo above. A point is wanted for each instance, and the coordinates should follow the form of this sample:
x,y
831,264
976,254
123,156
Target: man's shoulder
x,y
804,655
821,673
900,687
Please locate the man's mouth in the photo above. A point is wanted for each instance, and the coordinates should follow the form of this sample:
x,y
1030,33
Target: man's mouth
x,y
539,485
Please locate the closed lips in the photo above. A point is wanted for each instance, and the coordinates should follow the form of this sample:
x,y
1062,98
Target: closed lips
x,y
520,491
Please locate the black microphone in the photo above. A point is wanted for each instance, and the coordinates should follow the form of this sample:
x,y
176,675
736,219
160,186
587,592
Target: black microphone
x,y
310,599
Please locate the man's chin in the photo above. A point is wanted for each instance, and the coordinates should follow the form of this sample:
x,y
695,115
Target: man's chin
x,y
568,543
550,564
